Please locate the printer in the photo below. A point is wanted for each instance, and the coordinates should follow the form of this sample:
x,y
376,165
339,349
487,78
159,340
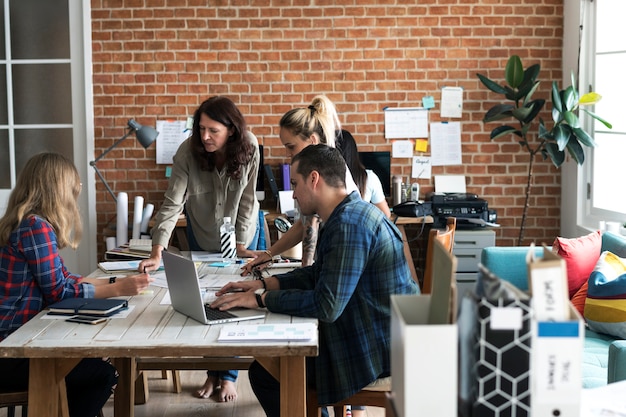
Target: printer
x,y
470,211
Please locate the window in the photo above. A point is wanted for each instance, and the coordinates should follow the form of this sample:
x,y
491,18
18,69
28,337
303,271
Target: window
x,y
606,60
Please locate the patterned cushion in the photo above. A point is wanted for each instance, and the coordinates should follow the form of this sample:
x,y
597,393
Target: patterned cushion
x,y
605,307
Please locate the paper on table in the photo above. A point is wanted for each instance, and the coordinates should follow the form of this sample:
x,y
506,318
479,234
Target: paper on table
x,y
202,256
607,400
268,331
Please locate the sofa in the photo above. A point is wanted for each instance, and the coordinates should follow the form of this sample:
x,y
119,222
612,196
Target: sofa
x,y
604,356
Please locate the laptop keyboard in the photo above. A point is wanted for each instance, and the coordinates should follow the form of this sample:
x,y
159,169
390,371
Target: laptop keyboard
x,y
215,314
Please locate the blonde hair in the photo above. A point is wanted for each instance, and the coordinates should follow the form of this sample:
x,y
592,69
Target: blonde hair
x,y
319,118
48,186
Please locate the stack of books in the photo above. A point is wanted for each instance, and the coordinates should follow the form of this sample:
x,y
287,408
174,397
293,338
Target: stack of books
x,y
135,249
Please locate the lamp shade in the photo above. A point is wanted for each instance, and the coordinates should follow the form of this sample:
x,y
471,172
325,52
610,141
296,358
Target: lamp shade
x,y
145,134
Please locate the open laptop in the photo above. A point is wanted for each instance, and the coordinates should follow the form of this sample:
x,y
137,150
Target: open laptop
x,y
187,297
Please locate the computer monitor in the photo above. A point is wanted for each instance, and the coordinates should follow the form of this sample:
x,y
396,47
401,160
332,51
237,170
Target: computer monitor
x,y
380,163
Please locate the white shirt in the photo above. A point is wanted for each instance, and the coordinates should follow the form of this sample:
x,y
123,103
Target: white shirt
x,y
373,188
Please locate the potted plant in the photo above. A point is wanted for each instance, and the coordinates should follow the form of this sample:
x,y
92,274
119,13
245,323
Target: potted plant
x,y
534,136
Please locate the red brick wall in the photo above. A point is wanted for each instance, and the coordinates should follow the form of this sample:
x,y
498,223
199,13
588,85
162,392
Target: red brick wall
x,y
158,59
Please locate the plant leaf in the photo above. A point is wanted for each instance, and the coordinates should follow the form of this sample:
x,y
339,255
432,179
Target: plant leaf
x,y
570,98
531,91
556,99
499,112
589,99
598,118
583,137
557,156
514,71
571,119
576,151
491,85
535,106
500,131
521,113
561,135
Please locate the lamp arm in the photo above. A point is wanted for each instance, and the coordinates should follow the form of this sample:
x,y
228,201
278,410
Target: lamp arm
x,y
110,148
106,184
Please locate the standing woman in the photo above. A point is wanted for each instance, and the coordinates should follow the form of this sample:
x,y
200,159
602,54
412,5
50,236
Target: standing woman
x,y
213,176
42,217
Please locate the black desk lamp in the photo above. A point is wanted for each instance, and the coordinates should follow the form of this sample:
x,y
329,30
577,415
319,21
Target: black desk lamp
x,y
145,135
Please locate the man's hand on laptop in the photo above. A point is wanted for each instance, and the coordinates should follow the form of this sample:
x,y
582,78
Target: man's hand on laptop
x,y
237,294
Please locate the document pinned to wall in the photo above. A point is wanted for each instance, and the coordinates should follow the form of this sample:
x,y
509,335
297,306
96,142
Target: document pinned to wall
x,y
402,149
451,101
406,123
445,143
171,135
421,167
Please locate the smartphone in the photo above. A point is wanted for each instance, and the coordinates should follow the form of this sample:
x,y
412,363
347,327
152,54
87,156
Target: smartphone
x,y
86,319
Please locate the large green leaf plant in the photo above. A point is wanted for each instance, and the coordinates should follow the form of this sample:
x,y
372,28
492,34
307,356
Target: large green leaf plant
x,y
566,135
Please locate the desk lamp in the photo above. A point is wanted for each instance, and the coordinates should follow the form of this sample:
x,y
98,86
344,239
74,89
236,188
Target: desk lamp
x,y
145,135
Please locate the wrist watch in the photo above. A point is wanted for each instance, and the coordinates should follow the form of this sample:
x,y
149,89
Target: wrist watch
x,y
259,299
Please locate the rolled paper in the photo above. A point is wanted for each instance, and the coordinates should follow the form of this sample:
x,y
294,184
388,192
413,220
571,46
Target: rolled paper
x,y
137,216
145,218
110,242
122,219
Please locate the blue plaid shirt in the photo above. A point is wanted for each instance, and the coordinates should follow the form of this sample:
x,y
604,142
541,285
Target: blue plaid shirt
x,y
360,264
33,275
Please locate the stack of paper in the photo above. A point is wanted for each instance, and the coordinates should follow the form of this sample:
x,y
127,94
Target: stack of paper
x,y
268,332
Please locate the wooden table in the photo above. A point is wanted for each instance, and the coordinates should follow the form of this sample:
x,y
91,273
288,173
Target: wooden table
x,y
400,222
152,329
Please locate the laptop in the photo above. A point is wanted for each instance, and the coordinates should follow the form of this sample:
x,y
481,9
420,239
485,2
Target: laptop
x,y
187,297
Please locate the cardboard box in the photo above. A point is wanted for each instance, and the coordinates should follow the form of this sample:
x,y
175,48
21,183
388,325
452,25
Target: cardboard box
x,y
424,360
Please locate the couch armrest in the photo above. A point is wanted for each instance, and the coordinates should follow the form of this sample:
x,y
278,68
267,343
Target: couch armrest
x,y
617,361
509,263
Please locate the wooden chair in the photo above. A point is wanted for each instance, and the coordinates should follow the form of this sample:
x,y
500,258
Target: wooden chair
x,y
10,400
446,237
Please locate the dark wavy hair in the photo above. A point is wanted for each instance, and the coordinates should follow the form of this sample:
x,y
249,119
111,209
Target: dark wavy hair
x,y
239,149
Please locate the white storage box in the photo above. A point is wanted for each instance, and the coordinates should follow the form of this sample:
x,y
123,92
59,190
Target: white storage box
x,y
424,360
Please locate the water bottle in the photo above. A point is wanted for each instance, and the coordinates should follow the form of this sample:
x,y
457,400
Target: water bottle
x,y
228,243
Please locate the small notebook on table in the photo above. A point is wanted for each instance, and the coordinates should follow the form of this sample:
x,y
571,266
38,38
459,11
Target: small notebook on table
x,y
104,307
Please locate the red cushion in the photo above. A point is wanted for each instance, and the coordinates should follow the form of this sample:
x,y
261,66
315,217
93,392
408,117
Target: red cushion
x,y
578,300
581,255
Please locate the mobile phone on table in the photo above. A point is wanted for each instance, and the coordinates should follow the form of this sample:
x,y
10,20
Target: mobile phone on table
x,y
86,319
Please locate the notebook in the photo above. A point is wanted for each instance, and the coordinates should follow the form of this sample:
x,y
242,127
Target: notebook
x,y
187,297
89,306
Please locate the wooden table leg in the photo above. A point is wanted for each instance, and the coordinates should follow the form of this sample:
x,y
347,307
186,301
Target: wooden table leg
x,y
47,396
124,398
292,386
407,253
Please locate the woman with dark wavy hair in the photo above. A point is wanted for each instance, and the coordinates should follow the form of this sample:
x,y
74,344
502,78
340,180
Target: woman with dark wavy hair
x,y
214,176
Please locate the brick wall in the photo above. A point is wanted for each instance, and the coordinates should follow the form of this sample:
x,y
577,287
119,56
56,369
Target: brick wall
x,y
158,59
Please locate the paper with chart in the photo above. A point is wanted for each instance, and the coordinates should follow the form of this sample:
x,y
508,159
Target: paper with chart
x,y
171,135
268,332
406,123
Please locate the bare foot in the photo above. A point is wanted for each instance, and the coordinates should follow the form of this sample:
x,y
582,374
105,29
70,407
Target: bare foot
x,y
228,391
210,385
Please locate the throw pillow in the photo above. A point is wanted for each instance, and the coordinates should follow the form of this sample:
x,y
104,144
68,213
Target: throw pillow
x,y
578,300
605,307
581,255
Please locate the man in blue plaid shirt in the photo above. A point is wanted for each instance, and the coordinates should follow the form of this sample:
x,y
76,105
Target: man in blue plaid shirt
x,y
360,264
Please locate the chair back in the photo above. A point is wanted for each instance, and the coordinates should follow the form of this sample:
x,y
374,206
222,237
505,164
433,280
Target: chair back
x,y
446,237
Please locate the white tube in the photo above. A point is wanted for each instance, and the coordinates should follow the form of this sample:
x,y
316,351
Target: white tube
x,y
122,219
145,218
137,215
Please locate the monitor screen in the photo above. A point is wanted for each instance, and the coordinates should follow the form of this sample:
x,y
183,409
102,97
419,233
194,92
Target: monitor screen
x,y
380,163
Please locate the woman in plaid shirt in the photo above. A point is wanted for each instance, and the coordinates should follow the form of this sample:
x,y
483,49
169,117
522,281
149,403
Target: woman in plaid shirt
x,y
42,217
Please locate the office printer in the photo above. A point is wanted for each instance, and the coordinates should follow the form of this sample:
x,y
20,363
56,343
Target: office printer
x,y
470,211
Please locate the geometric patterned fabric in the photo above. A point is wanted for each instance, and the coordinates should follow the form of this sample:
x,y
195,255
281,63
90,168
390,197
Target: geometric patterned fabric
x,y
502,365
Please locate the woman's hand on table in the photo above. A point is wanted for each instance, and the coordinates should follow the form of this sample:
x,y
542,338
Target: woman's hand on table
x,y
261,260
153,262
133,284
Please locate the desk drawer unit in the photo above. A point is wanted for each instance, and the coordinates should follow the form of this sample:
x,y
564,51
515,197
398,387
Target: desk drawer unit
x,y
468,245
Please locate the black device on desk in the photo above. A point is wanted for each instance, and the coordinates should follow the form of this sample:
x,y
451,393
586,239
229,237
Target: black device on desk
x,y
470,211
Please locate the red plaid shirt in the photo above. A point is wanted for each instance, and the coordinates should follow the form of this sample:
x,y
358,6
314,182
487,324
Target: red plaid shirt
x,y
33,275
